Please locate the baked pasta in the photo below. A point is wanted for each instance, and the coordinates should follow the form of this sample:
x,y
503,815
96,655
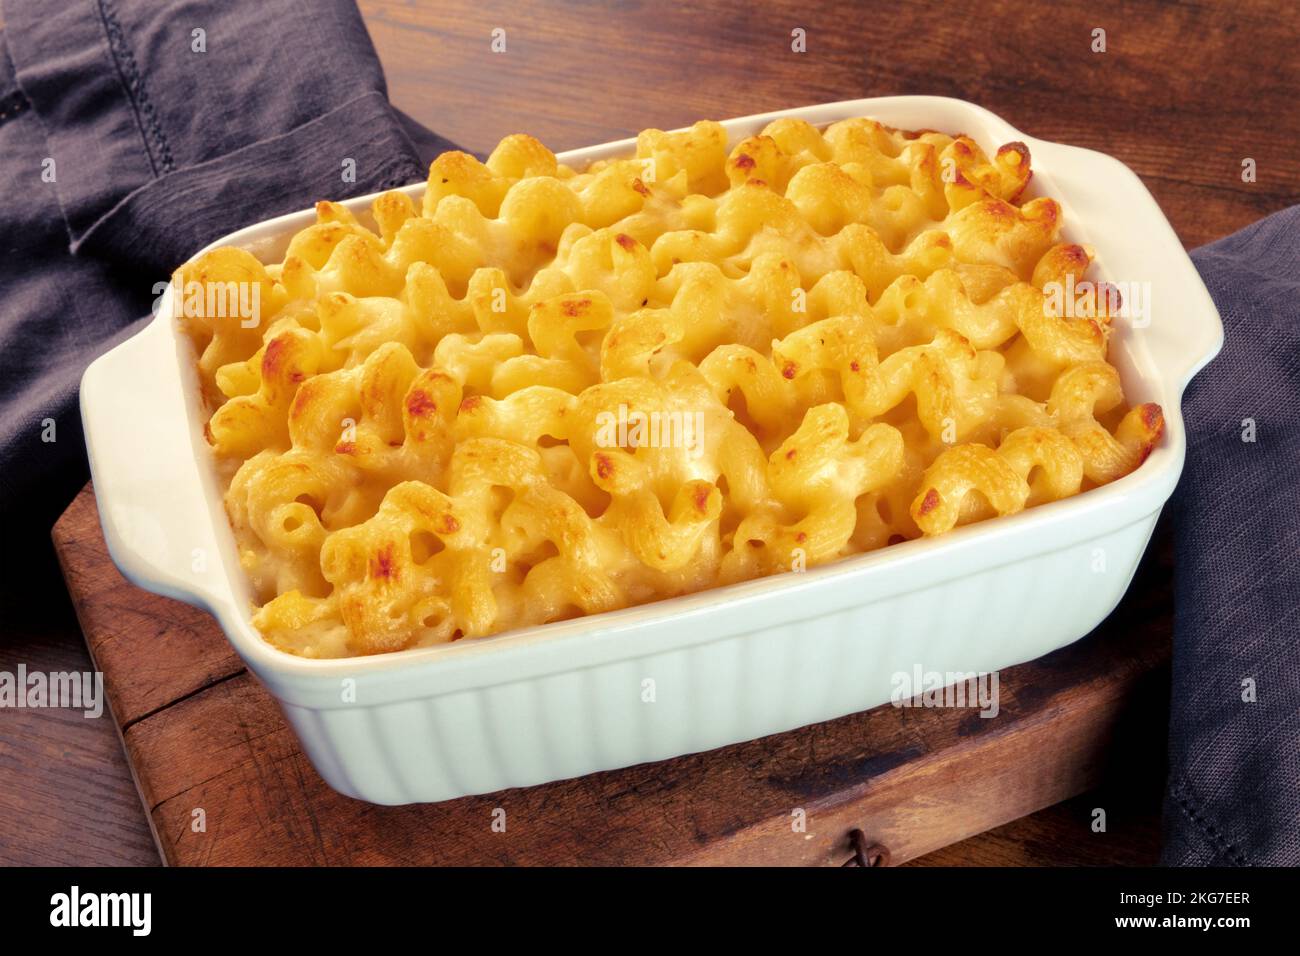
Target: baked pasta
x,y
542,392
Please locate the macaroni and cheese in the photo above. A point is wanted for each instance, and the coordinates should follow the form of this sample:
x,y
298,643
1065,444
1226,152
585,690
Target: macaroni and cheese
x,y
543,392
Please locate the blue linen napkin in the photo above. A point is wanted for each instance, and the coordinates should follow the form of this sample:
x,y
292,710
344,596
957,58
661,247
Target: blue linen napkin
x,y
1233,795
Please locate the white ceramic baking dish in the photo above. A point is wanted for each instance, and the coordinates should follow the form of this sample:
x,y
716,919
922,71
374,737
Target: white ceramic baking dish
x,y
729,664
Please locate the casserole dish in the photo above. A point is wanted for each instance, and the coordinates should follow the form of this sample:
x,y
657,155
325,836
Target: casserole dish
x,y
695,672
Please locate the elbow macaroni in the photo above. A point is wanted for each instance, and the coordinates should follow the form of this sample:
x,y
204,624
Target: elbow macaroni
x,y
546,392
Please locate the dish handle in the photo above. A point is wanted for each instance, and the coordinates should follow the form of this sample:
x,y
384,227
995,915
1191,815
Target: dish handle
x,y
146,476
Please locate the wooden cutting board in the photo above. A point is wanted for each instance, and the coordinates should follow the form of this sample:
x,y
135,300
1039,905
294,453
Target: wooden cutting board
x,y
224,782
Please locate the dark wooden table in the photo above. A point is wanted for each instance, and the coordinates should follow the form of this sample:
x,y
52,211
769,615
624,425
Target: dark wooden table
x,y
1184,93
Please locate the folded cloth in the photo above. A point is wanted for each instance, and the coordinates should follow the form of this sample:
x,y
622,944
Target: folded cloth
x,y
133,134
1233,795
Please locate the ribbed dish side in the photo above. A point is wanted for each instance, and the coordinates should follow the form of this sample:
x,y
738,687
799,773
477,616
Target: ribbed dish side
x,y
720,692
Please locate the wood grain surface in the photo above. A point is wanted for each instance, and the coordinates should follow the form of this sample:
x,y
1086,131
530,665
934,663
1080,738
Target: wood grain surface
x,y
207,742
1184,93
